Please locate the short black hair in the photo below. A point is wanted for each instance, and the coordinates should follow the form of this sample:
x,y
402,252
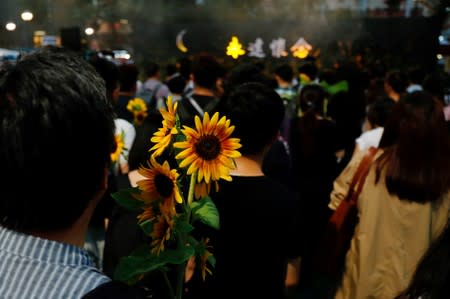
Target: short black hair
x,y
151,68
56,136
284,71
257,112
109,72
128,74
205,69
397,80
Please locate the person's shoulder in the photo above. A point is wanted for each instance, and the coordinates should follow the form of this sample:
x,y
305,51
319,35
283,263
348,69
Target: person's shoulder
x,y
119,290
122,124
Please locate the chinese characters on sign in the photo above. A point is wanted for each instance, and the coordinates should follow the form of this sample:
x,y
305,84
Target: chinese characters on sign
x,y
300,49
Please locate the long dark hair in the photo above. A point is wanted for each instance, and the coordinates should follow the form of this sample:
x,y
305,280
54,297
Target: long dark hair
x,y
416,146
310,101
431,279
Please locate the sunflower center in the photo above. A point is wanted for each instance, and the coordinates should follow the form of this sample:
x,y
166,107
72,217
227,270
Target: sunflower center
x,y
164,185
208,147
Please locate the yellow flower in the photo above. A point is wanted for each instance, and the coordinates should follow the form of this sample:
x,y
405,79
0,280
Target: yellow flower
x,y
209,150
139,109
163,136
203,189
162,231
160,183
120,145
136,105
147,214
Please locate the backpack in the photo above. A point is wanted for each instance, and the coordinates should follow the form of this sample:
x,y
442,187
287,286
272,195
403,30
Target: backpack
x,y
149,96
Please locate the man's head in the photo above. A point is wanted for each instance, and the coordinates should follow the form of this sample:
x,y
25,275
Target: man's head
x,y
257,112
205,70
56,136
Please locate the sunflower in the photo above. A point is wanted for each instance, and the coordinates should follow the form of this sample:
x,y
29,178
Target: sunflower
x,y
162,231
160,183
163,136
147,214
120,146
138,107
209,150
202,189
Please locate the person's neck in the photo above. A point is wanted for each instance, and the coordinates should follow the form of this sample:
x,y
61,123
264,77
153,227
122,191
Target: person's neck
x,y
75,234
394,96
248,166
127,93
202,91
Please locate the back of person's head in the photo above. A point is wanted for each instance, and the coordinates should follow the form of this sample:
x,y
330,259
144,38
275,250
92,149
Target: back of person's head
x,y
434,84
379,111
257,112
128,77
311,98
184,66
245,73
416,149
205,70
177,84
171,69
109,72
56,136
284,72
309,69
397,80
151,69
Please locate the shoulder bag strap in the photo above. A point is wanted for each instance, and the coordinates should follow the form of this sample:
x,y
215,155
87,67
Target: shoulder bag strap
x,y
360,175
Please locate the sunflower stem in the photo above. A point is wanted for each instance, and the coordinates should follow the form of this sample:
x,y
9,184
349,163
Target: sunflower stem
x,y
192,189
169,285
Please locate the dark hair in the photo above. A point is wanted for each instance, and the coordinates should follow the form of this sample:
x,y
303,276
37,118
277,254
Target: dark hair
x,y
52,105
309,69
378,111
431,279
397,80
257,111
151,69
434,83
128,77
284,71
311,99
245,73
416,145
205,70
177,84
109,72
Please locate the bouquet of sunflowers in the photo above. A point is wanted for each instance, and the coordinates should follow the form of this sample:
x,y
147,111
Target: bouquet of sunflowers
x,y
171,199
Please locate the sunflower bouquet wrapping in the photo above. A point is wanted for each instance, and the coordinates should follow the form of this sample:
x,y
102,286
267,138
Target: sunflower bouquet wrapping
x,y
184,165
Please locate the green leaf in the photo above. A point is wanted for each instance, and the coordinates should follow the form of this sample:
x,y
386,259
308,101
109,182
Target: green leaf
x,y
147,227
126,199
142,262
212,261
206,211
182,226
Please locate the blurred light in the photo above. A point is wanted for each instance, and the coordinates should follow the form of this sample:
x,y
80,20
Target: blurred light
x,y
27,16
121,54
89,31
441,38
123,21
439,56
234,48
10,26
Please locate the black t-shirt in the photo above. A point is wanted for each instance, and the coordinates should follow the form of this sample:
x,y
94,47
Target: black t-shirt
x,y
193,105
256,237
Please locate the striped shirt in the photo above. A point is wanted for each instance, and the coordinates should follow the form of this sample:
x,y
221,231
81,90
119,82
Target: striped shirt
x,y
35,268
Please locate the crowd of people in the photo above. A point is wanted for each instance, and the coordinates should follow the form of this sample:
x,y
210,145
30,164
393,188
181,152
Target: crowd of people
x,y
304,131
